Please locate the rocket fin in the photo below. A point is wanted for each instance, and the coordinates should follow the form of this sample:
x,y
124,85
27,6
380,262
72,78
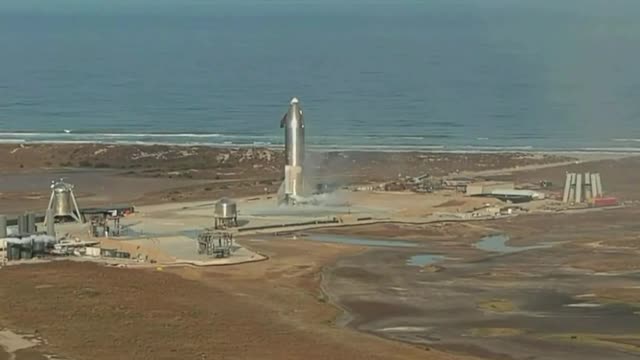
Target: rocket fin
x,y
283,121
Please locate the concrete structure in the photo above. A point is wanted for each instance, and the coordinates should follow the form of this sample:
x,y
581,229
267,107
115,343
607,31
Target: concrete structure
x,y
27,247
581,188
63,203
3,226
293,123
51,229
567,188
485,188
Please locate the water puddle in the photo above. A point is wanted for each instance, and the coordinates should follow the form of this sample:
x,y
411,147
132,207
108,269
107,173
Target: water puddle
x,y
590,295
191,234
404,329
12,342
130,232
340,239
584,305
497,243
424,259
14,346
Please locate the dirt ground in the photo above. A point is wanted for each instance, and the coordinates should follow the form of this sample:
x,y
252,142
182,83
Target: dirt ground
x,y
471,304
224,163
620,177
154,174
576,298
267,310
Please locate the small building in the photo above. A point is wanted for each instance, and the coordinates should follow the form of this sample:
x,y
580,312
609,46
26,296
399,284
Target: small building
x,y
456,183
487,187
512,210
516,196
492,211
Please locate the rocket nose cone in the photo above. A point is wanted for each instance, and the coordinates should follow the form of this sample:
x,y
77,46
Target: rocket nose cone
x,y
294,100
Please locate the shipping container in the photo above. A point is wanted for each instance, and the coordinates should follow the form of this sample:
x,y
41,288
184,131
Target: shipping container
x,y
108,252
93,251
605,201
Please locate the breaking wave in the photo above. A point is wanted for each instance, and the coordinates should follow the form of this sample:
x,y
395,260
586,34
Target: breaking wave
x,y
364,142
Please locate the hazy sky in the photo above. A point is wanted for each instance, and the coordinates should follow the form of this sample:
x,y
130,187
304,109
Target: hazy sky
x,y
215,6
155,5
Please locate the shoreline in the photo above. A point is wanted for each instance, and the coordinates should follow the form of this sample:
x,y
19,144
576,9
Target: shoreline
x,y
374,148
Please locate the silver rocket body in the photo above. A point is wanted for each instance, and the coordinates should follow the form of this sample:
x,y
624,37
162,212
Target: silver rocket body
x,y
293,124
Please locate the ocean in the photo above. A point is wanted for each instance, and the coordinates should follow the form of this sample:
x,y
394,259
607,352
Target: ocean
x,y
470,75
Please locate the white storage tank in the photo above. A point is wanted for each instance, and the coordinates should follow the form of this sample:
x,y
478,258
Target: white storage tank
x,y
225,214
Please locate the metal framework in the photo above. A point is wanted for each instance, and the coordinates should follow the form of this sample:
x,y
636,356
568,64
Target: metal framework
x,y
215,243
62,203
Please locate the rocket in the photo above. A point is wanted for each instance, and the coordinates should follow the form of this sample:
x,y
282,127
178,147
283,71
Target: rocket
x,y
293,125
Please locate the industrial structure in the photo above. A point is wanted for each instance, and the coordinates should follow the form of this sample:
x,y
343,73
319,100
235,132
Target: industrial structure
x,y
3,252
215,243
3,226
580,188
27,224
63,203
225,214
25,247
486,187
504,191
292,188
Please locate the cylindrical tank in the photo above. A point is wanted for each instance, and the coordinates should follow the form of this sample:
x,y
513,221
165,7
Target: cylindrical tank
x,y
3,226
226,209
13,252
62,204
25,254
23,225
51,230
31,222
39,248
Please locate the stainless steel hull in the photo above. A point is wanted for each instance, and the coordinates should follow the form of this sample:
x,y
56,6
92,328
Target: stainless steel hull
x,y
293,124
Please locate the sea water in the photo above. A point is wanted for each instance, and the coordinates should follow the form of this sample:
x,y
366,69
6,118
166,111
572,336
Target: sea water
x,y
437,75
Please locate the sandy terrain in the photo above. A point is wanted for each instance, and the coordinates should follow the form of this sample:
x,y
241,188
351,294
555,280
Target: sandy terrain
x,y
155,174
221,163
266,310
454,300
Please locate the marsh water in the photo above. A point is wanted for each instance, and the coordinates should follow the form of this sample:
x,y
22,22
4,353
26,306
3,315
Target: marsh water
x,y
351,240
498,243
